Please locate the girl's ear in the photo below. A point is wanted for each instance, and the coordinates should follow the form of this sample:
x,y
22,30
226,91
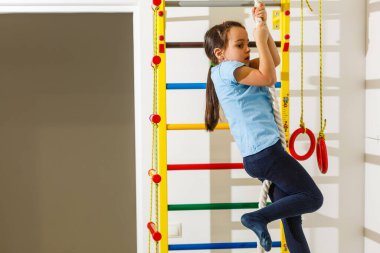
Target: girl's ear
x,y
219,53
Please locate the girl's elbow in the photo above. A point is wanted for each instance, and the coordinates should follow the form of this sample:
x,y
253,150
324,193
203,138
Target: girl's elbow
x,y
271,80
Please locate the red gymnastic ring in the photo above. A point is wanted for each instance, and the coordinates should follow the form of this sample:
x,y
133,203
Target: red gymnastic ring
x,y
293,139
323,162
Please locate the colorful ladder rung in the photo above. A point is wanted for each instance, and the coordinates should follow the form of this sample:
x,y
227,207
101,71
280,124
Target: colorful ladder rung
x,y
195,126
201,44
196,86
214,206
186,86
223,245
206,166
218,3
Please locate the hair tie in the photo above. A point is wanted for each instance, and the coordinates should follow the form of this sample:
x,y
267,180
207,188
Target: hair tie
x,y
212,64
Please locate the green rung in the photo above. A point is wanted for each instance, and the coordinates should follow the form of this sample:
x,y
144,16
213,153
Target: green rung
x,y
213,206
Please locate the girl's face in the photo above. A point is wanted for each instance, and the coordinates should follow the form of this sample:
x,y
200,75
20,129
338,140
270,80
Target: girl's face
x,y
237,46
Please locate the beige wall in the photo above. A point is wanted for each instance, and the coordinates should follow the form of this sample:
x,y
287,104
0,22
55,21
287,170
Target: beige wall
x,y
67,166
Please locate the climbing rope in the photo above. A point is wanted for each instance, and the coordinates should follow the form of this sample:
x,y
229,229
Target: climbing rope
x,y
277,115
266,184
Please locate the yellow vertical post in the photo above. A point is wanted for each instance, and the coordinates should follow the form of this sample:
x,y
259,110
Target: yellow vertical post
x,y
162,142
285,45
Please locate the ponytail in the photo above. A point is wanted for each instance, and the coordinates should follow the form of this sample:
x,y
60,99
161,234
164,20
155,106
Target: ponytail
x,y
212,105
215,37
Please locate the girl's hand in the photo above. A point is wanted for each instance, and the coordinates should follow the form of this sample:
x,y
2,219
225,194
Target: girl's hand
x,y
260,12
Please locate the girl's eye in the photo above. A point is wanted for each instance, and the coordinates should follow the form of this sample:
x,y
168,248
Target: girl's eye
x,y
240,45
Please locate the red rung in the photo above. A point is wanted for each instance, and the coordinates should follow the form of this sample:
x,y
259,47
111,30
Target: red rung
x,y
155,234
206,166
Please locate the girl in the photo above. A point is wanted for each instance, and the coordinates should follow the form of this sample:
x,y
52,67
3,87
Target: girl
x,y
241,87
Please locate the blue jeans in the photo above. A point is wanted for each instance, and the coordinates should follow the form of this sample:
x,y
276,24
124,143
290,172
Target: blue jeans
x,y
293,192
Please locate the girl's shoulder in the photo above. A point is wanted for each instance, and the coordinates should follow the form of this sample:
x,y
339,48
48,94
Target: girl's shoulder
x,y
226,70
225,65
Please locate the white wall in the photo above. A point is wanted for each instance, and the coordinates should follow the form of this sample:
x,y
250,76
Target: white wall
x,y
340,221
372,147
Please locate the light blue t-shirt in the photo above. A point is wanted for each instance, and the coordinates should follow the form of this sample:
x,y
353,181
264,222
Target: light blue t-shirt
x,y
248,110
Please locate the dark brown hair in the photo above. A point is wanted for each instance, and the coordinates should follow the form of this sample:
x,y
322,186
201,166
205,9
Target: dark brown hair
x,y
215,37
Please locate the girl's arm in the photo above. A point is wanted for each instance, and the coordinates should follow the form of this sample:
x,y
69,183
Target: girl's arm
x,y
260,12
255,63
273,51
265,74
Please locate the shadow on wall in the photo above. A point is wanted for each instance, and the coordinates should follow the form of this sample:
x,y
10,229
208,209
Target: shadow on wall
x,y
371,8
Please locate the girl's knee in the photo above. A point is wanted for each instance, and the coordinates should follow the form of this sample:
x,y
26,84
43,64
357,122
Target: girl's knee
x,y
318,200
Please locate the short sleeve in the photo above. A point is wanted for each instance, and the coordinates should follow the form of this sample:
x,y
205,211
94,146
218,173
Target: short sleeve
x,y
227,69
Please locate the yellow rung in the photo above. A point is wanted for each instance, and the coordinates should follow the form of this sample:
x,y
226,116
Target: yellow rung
x,y
220,126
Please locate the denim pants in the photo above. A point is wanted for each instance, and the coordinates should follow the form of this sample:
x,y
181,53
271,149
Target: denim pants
x,y
293,192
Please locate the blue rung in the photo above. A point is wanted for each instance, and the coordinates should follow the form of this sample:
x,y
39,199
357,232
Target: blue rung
x,y
195,86
185,86
224,245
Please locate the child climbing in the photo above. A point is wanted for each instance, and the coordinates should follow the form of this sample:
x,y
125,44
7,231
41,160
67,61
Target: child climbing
x,y
240,86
